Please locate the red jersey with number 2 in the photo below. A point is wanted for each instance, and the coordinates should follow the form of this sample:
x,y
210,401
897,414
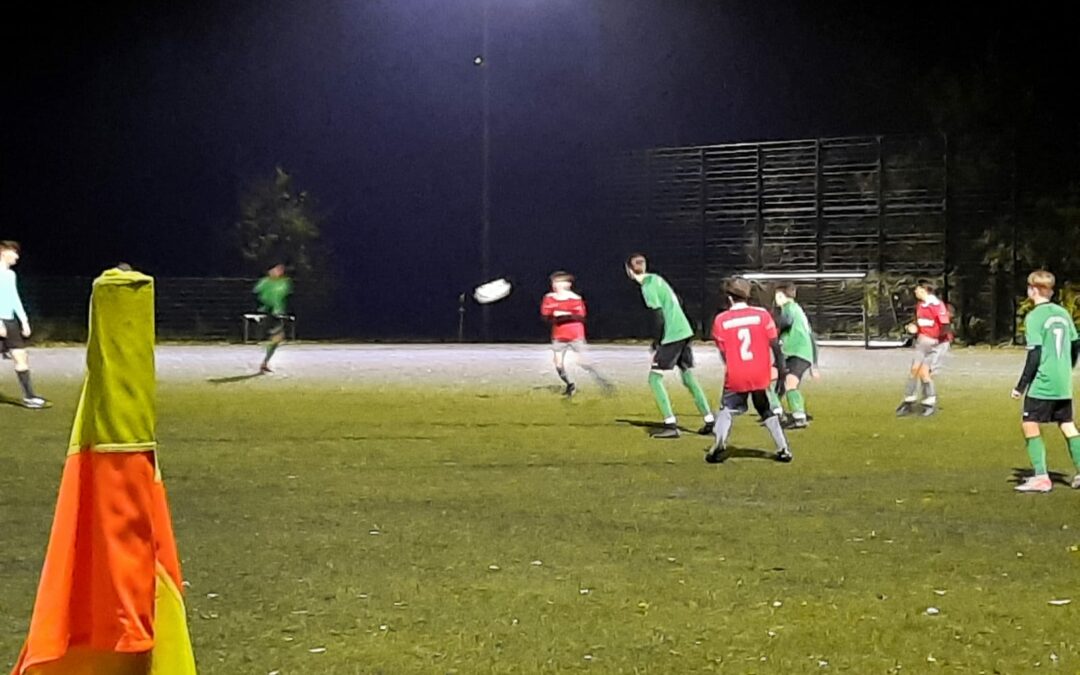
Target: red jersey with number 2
x,y
744,334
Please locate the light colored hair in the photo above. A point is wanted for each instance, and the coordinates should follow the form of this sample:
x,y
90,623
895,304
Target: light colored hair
x,y
1043,282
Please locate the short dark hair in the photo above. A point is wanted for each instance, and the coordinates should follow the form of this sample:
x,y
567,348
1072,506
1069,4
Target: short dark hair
x,y
788,288
636,263
8,245
738,288
928,284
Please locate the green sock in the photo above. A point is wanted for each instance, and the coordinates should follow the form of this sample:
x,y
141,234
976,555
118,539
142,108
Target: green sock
x,y
796,402
1037,453
270,349
663,401
700,399
1074,450
774,401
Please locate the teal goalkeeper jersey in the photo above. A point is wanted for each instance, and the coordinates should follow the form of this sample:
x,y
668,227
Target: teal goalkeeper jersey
x,y
1049,326
660,295
796,337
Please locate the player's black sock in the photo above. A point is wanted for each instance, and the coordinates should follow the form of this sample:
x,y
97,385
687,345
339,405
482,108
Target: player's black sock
x,y
563,376
24,382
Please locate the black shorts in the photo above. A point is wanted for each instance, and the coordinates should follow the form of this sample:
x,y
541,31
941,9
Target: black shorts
x,y
14,339
797,366
736,402
674,355
1046,411
275,324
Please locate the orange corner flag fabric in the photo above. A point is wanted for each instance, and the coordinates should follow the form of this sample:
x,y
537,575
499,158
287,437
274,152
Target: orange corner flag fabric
x,y
109,600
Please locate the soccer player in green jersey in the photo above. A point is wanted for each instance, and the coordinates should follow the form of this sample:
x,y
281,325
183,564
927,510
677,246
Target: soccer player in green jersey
x,y
1053,348
799,349
672,347
273,292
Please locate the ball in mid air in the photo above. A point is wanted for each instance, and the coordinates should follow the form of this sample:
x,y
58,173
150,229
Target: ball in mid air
x,y
492,291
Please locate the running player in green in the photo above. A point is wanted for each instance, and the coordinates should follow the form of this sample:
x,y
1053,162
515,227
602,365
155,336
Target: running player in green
x,y
1053,348
671,349
273,292
799,348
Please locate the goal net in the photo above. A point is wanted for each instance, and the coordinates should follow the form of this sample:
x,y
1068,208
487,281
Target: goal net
x,y
844,308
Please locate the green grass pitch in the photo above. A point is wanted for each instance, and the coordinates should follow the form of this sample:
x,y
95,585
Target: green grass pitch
x,y
348,526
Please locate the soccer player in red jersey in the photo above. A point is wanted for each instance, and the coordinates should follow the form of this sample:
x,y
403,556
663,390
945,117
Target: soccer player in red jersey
x,y
565,309
933,334
749,346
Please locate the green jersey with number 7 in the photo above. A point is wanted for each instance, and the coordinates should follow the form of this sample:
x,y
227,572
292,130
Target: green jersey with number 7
x,y
1049,326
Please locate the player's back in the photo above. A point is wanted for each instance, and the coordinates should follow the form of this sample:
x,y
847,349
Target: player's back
x,y
743,334
1050,326
798,339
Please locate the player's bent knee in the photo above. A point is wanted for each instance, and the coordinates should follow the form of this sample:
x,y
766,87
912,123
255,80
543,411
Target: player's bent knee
x,y
1069,429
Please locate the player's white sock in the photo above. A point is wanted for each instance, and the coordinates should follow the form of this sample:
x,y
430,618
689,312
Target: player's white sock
x,y
709,418
777,432
911,394
722,427
670,421
931,394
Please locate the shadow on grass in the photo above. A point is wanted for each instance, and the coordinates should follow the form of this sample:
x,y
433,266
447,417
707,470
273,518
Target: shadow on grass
x,y
9,400
553,388
18,402
651,425
750,453
1020,474
233,379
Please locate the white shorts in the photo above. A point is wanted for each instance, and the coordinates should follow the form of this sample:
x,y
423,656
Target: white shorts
x,y
561,347
929,352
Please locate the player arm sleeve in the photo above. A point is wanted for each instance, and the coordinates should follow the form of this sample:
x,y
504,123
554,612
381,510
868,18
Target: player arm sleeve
x,y
784,322
20,311
578,313
651,301
1031,366
657,327
778,356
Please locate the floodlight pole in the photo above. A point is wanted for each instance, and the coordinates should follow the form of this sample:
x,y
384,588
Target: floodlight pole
x,y
485,161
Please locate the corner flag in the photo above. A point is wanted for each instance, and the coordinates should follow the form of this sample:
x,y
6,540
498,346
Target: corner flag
x,y
109,600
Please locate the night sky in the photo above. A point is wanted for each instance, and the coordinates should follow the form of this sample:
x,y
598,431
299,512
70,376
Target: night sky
x,y
128,132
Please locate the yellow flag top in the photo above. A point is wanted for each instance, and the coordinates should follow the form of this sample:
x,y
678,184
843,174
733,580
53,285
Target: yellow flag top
x,y
117,410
